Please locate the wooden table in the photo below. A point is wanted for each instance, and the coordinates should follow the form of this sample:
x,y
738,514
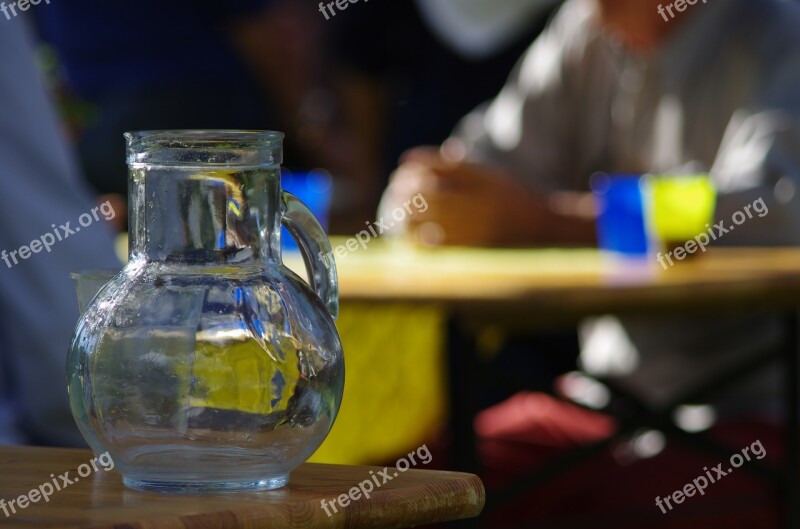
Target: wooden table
x,y
101,501
572,282
530,289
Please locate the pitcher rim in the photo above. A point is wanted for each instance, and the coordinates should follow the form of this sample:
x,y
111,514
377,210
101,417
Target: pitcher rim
x,y
221,134
237,147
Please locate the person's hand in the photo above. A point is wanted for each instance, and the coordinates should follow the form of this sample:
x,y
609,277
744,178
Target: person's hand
x,y
464,203
438,198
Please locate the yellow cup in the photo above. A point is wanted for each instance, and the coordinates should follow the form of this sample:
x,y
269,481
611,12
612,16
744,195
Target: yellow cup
x,y
678,207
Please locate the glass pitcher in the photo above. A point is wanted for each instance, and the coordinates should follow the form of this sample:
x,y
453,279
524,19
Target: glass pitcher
x,y
205,364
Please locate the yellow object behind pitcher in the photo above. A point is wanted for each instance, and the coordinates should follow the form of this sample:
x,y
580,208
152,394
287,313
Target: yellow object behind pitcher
x,y
679,207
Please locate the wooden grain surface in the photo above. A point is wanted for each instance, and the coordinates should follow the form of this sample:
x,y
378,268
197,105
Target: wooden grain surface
x,y
579,281
101,501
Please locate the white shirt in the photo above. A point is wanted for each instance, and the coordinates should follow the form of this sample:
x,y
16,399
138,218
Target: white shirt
x,y
723,94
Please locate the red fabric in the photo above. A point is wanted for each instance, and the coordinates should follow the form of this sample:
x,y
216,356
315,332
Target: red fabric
x,y
604,492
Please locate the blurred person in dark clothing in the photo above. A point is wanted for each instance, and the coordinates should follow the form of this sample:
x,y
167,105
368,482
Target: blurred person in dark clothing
x,y
186,64
150,65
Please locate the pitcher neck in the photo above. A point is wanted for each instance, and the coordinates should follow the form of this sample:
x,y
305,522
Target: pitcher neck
x,y
188,208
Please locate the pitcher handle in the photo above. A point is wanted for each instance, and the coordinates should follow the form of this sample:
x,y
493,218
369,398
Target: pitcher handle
x,y
316,250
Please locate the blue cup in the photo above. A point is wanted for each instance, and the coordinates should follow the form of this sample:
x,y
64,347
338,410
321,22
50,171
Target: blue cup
x,y
314,189
621,224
